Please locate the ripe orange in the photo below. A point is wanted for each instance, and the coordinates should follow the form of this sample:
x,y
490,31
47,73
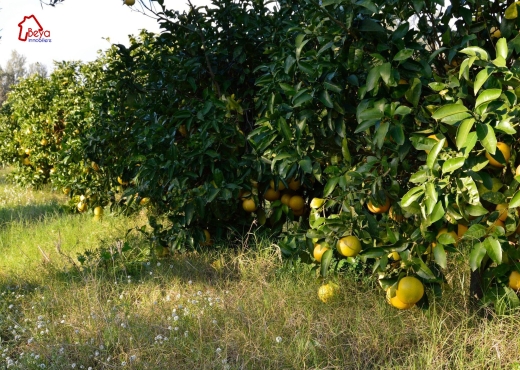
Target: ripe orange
x,y
379,209
129,2
396,216
294,184
349,246
82,207
182,129
144,201
498,222
286,198
319,249
281,186
317,202
517,172
296,203
207,239
249,205
98,211
514,280
434,137
395,302
395,256
506,152
44,142
409,290
272,195
327,292
26,161
299,213
461,230
502,211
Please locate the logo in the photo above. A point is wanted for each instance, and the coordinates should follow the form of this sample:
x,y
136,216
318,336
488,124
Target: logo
x,y
32,31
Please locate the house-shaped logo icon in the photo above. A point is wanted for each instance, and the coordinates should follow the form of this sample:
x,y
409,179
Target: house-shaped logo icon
x,y
28,27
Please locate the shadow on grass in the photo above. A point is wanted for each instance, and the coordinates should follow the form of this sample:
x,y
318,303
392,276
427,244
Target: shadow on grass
x,y
29,213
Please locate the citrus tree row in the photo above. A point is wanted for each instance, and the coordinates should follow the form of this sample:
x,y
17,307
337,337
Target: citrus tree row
x,y
380,132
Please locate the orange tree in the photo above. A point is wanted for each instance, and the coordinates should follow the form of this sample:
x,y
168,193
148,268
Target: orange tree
x,y
387,114
400,115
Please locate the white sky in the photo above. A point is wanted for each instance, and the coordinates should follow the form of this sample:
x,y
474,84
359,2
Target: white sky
x,y
77,27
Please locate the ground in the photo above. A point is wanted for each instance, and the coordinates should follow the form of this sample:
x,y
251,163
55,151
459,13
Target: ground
x,y
239,308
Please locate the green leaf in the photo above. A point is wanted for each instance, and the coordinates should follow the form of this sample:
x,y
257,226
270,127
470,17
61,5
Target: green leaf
x,y
446,239
481,78
475,232
301,99
476,51
440,255
453,164
413,94
448,110
515,200
299,44
381,133
326,259
403,55
412,195
493,249
189,211
284,127
475,257
324,97
334,88
487,96
330,186
437,213
432,156
476,210
367,4
499,62
419,177
373,78
495,198
306,165
486,136
463,131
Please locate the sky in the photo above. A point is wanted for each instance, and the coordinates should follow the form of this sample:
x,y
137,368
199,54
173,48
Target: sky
x,y
77,28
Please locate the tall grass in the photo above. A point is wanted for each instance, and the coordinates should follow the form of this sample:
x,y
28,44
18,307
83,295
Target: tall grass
x,y
239,308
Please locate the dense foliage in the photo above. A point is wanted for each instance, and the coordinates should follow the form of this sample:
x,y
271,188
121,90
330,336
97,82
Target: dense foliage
x,y
400,115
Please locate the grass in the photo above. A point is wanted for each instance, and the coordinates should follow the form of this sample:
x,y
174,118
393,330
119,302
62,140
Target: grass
x,y
226,309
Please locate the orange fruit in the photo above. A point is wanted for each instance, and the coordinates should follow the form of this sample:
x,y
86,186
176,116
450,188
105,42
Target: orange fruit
x,y
396,216
461,230
498,222
379,209
296,203
272,195
207,239
514,280
317,202
409,290
327,292
249,205
281,186
294,184
299,212
98,211
395,302
82,207
44,142
26,161
506,152
286,198
395,256
319,249
502,211
349,246
144,201
517,172
95,166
